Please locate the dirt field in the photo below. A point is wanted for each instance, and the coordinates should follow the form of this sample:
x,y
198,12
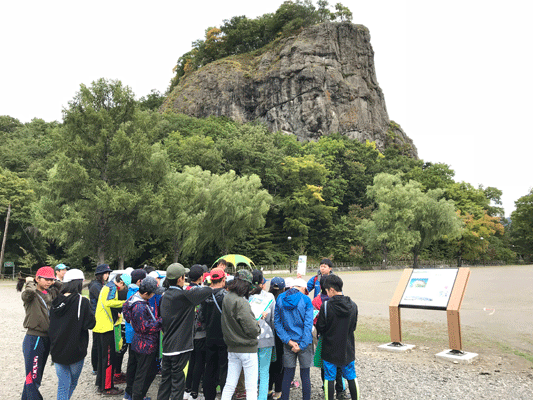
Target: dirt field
x,y
496,320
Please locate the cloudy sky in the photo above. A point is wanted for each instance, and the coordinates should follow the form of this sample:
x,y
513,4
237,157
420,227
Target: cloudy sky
x,y
457,75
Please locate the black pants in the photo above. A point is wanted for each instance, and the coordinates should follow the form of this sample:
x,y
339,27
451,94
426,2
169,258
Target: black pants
x,y
276,367
172,384
196,366
94,353
106,359
141,372
216,369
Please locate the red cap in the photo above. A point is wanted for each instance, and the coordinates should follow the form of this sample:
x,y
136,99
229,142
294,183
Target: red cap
x,y
217,273
46,272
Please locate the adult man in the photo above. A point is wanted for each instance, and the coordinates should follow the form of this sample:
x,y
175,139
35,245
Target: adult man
x,y
177,310
216,352
60,270
336,324
293,320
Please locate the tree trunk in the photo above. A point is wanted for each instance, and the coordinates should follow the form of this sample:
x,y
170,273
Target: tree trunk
x,y
415,259
177,250
102,239
121,263
385,253
4,243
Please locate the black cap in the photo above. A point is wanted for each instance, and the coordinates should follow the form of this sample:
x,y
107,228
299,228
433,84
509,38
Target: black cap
x,y
195,273
137,274
257,277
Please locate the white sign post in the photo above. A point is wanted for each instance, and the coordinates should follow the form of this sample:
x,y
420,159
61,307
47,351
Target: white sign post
x,y
302,265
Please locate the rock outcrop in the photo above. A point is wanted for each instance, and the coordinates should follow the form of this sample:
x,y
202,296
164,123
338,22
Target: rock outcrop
x,y
319,82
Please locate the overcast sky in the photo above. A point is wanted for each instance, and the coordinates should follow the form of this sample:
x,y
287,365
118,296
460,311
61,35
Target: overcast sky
x,y
457,75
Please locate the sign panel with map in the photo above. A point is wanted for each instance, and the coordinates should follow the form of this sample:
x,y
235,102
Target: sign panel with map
x,y
429,288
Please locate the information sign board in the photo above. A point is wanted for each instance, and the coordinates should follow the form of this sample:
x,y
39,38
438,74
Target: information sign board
x,y
429,288
302,265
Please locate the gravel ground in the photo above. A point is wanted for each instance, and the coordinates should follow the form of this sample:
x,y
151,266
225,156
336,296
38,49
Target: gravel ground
x,y
496,374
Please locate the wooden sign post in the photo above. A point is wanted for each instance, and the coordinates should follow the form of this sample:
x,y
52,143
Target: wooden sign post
x,y
440,289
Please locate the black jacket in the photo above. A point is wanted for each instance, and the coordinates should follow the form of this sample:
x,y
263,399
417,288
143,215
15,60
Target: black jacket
x,y
70,319
211,315
177,310
337,330
94,292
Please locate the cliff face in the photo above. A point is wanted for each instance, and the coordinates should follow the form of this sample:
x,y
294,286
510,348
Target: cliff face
x,y
316,83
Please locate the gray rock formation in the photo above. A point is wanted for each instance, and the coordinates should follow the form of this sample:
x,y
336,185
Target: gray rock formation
x,y
316,83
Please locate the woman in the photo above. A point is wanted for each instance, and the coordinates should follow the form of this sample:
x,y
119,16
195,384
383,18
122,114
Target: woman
x,y
71,318
240,330
37,297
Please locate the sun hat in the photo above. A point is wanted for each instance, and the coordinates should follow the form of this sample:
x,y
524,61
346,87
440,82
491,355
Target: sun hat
x,y
126,279
176,270
244,275
102,269
60,266
73,274
45,272
138,274
277,283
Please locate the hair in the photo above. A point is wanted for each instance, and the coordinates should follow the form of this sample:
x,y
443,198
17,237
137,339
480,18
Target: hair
x,y
20,284
255,290
148,269
170,282
322,287
216,281
276,292
100,278
222,261
333,282
240,287
74,287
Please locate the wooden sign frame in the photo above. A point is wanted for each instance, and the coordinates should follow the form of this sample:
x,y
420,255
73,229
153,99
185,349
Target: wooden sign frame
x,y
452,310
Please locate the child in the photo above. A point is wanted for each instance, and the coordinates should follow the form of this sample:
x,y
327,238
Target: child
x,y
142,361
37,297
277,286
240,331
104,333
266,338
71,318
336,324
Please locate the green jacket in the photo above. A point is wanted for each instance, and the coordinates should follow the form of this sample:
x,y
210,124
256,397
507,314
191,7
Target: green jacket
x,y
239,326
37,305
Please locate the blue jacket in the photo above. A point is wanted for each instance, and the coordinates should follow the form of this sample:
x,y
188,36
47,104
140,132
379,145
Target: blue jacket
x,y
314,283
293,318
132,289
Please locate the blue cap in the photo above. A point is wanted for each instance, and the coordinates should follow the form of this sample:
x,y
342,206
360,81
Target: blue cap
x,y
277,282
126,279
60,266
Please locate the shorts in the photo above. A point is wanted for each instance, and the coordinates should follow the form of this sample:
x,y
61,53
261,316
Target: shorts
x,y
330,371
305,357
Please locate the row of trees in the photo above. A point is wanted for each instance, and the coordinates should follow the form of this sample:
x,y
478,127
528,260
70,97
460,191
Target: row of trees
x,y
119,182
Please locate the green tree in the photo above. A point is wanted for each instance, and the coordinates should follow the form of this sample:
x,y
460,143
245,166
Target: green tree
x,y
407,218
521,226
106,173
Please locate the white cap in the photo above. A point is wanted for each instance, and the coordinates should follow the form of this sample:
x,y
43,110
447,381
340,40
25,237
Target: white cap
x,y
299,282
129,270
289,282
73,274
155,275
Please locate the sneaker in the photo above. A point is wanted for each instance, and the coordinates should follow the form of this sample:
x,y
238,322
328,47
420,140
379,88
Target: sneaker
x,y
119,378
295,384
127,396
94,372
113,392
186,395
240,396
276,396
270,394
194,395
344,395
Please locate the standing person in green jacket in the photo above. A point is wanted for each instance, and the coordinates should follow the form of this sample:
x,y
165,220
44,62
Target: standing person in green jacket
x,y
240,330
37,297
104,334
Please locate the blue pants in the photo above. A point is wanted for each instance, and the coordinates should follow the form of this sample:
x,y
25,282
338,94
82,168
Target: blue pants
x,y
264,356
35,350
67,378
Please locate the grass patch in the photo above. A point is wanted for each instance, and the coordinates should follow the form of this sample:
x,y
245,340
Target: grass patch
x,y
365,333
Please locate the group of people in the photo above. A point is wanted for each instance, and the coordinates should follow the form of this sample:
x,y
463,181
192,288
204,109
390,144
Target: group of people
x,y
197,327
